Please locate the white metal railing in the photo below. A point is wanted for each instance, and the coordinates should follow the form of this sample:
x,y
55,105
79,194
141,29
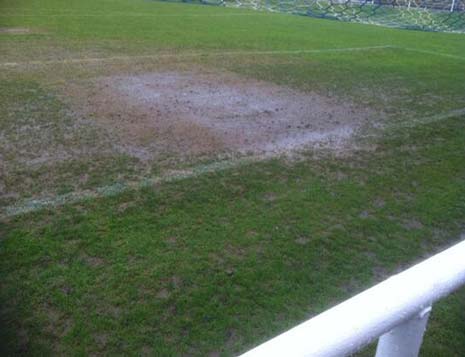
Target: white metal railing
x,y
397,309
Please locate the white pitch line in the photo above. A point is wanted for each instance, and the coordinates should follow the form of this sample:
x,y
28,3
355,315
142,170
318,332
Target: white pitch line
x,y
413,122
433,53
198,54
117,188
135,15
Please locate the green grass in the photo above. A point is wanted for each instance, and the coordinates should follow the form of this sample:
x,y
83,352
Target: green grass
x,y
221,262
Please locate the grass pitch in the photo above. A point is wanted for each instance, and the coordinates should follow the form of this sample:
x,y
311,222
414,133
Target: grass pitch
x,y
215,252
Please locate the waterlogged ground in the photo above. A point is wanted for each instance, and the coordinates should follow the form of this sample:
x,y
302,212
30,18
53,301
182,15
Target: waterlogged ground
x,y
199,114
204,178
165,120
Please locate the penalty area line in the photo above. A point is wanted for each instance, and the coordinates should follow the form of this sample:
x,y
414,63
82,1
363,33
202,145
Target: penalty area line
x,y
413,122
135,15
433,53
32,205
195,54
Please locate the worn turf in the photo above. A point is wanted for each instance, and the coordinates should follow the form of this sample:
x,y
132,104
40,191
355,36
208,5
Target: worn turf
x,y
216,263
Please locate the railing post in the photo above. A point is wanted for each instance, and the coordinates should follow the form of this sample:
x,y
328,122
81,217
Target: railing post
x,y
393,309
404,340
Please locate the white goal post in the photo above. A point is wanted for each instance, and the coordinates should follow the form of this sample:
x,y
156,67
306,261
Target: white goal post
x,y
396,309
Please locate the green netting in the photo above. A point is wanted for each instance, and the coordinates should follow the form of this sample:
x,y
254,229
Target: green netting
x,y
427,15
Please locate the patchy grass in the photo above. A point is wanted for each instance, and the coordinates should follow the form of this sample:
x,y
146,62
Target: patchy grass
x,y
218,263
223,261
49,147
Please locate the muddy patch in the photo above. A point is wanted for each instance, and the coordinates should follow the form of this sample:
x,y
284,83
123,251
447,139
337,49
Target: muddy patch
x,y
191,114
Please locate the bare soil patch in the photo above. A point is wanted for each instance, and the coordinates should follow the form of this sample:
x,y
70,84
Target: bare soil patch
x,y
92,132
192,114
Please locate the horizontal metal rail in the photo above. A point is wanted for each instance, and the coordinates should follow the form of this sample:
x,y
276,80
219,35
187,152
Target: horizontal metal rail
x,y
396,309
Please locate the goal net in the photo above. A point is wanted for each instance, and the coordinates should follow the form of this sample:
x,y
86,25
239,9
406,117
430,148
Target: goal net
x,y
427,15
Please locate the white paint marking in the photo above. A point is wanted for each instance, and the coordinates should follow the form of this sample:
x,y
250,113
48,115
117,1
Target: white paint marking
x,y
433,53
135,15
117,188
412,122
197,54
